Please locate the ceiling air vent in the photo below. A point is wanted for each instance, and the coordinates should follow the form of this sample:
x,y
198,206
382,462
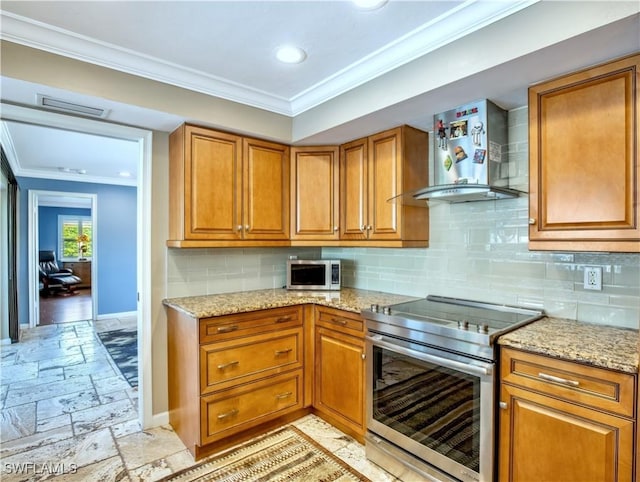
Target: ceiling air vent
x,y
70,107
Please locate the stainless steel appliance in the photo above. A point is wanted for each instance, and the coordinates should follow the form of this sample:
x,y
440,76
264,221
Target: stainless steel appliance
x,y
470,155
431,384
313,274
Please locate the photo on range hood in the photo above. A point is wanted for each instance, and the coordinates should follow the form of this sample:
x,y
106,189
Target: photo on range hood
x,y
470,156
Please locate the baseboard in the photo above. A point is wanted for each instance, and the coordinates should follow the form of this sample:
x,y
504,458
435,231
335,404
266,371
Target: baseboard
x,y
159,419
5,341
124,314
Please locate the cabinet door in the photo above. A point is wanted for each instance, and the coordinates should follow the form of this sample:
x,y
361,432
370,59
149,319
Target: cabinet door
x,y
542,438
314,193
385,182
354,190
583,160
213,185
339,378
266,190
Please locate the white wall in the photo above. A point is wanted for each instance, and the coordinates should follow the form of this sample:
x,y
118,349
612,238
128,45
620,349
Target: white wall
x,y
477,250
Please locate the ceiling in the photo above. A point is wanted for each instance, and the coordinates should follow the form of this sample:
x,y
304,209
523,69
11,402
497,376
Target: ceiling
x,y
226,49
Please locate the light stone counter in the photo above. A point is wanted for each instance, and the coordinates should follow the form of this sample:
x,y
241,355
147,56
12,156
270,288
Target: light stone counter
x,y
348,299
597,345
592,344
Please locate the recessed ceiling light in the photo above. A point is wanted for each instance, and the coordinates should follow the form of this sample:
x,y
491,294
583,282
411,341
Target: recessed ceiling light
x,y
369,4
291,55
125,173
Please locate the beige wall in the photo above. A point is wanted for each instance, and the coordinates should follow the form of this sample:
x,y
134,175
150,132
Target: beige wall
x,y
24,63
159,233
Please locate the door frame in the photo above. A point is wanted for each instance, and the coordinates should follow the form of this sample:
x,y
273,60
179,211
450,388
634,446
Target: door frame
x,y
34,246
144,138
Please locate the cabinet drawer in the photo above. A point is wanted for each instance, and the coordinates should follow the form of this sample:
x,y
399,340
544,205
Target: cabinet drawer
x,y
239,361
590,386
242,324
232,411
340,320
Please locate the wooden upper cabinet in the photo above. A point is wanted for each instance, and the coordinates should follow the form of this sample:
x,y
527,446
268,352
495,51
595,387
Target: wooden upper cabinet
x,y
584,155
224,188
229,190
314,193
205,176
372,172
353,190
266,193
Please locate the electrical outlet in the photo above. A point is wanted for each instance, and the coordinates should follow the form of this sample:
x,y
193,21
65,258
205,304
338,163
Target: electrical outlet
x,y
593,278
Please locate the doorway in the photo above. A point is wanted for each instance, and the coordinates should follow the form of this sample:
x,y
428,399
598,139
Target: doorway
x,y
143,138
59,218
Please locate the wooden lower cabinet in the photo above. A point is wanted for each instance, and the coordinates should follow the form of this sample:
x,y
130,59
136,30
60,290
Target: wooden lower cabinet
x,y
564,422
339,370
230,376
235,376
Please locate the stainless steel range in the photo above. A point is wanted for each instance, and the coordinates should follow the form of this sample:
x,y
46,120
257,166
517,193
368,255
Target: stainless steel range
x,y
431,384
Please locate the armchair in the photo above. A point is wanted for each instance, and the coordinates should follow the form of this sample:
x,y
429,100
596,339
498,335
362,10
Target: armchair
x,y
52,277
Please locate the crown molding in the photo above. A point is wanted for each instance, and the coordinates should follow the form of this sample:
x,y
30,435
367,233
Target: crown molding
x,y
438,32
466,18
41,36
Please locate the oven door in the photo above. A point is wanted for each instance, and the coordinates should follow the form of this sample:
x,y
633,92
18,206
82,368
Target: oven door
x,y
433,404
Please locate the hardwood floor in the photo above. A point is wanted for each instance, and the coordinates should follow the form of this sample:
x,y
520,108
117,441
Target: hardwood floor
x,y
63,309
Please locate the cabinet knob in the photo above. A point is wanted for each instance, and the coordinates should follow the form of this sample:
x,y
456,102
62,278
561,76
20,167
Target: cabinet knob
x,y
532,221
362,227
335,228
239,227
503,405
363,355
369,227
246,227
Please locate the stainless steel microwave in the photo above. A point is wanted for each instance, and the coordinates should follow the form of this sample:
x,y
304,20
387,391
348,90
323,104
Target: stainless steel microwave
x,y
314,274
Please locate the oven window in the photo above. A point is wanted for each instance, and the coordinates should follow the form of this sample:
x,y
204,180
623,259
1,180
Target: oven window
x,y
435,406
308,274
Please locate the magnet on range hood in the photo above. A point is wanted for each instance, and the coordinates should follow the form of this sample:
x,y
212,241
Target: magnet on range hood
x,y
469,156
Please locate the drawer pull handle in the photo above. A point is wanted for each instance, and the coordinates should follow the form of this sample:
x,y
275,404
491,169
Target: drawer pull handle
x,y
227,329
231,413
283,319
280,396
282,352
564,381
227,365
339,321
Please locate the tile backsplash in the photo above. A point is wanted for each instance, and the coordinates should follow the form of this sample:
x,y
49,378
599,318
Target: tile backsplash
x,y
477,250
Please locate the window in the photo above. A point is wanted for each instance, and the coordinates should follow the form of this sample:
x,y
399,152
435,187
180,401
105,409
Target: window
x,y
75,237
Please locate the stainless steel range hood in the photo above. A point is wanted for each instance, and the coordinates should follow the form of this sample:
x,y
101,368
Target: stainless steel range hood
x,y
457,193
470,156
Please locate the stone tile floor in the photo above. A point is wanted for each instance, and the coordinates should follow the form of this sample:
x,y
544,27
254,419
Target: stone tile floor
x,y
67,413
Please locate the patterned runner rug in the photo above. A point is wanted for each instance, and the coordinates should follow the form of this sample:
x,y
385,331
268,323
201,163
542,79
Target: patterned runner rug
x,y
122,345
284,455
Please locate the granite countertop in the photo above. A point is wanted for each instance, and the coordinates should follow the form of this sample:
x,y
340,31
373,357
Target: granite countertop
x,y
348,299
597,345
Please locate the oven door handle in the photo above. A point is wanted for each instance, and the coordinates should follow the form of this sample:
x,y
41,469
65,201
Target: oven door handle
x,y
455,365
